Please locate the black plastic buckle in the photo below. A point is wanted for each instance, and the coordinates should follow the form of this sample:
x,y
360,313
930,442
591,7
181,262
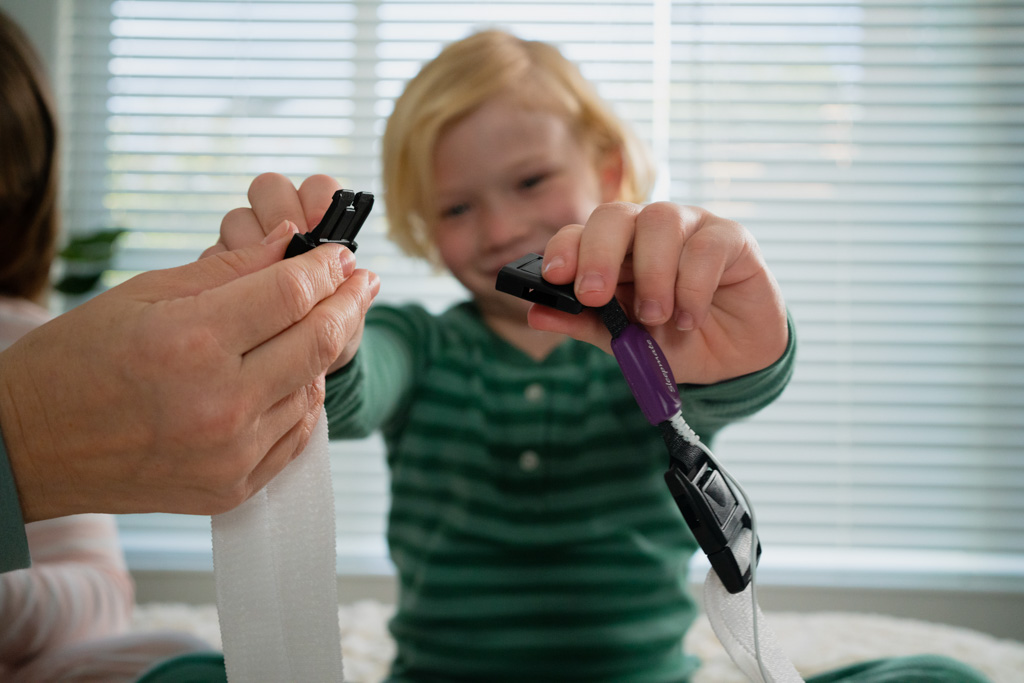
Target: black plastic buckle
x,y
341,223
715,516
522,278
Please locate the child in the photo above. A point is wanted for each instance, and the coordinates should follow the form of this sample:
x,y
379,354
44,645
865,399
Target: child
x,y
533,534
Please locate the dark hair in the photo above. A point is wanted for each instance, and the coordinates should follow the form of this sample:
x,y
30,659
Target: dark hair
x,y
29,220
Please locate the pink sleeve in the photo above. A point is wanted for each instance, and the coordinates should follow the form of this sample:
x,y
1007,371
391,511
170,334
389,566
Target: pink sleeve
x,y
77,588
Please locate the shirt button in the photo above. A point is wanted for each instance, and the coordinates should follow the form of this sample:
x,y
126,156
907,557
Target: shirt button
x,y
534,393
529,461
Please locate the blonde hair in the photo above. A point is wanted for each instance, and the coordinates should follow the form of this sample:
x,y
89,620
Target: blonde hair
x,y
465,75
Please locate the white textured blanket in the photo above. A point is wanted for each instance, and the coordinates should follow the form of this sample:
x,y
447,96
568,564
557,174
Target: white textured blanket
x,y
816,642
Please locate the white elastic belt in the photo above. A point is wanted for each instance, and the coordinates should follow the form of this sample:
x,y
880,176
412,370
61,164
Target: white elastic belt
x,y
274,566
732,617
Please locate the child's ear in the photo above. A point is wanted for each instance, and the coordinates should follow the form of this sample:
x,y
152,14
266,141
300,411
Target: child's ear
x,y
609,173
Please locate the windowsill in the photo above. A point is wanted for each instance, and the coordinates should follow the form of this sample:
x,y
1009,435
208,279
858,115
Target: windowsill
x,y
780,566
884,569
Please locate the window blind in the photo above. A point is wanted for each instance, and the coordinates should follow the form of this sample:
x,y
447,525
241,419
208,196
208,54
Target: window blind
x,y
874,148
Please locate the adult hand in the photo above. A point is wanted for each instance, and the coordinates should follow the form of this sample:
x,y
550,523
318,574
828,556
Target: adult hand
x,y
697,282
273,198
182,390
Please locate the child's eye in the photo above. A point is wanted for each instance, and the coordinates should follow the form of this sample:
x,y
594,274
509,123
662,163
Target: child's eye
x,y
532,181
455,210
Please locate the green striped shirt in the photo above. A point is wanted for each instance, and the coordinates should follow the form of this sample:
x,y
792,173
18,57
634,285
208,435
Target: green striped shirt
x,y
532,531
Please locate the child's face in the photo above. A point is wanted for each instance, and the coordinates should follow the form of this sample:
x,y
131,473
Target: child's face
x,y
507,179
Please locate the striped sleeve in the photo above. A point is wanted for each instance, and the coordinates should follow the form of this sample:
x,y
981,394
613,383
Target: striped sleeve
x,y
373,390
714,406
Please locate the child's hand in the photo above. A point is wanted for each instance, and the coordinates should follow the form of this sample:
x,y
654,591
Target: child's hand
x,y
696,281
275,200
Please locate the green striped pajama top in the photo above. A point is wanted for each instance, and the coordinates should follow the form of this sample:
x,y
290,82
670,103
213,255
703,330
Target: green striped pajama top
x,y
532,532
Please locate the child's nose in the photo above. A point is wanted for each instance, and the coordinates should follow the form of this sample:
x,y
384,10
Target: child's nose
x,y
502,224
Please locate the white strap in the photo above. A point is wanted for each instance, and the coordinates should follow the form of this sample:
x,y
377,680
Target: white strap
x,y
732,617
274,565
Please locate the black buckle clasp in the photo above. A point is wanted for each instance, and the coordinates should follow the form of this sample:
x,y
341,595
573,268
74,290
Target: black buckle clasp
x,y
340,224
711,510
522,278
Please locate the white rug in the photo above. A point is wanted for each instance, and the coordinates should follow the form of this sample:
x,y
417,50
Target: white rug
x,y
816,642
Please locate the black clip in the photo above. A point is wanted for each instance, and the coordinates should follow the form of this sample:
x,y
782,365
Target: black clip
x,y
715,517
341,223
522,278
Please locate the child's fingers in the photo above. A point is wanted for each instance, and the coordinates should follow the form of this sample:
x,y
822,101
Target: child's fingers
x,y
661,230
274,199
561,255
315,195
240,228
586,326
714,247
605,242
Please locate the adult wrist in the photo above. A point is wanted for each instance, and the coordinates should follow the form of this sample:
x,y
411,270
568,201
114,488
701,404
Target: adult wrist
x,y
21,455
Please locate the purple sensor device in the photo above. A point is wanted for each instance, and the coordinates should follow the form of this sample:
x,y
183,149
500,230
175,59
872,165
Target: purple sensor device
x,y
647,373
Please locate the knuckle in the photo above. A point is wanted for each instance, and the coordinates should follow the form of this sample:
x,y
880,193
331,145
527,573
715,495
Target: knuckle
x,y
228,497
220,423
314,393
333,333
226,479
232,262
196,343
702,245
612,209
161,344
661,214
296,291
364,293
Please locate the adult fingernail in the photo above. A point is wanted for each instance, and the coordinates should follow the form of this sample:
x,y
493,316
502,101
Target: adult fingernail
x,y
684,322
285,228
592,282
373,286
556,262
348,261
650,312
